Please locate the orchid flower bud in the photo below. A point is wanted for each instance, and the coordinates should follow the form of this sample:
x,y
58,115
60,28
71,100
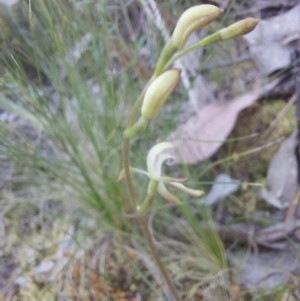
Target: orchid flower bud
x,y
156,95
238,29
158,92
193,19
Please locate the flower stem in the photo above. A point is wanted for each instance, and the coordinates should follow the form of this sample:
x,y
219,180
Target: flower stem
x,y
138,104
143,222
142,218
126,149
213,38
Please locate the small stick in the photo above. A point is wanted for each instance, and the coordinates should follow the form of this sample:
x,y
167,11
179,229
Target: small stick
x,y
290,214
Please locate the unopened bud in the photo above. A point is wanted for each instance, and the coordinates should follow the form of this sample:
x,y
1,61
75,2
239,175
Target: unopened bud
x,y
158,92
192,19
238,29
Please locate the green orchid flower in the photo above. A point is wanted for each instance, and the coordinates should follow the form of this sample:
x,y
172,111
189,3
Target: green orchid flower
x,y
155,159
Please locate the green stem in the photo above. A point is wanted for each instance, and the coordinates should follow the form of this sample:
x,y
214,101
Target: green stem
x,y
137,128
145,206
213,38
148,236
142,219
138,104
147,203
126,144
164,57
126,163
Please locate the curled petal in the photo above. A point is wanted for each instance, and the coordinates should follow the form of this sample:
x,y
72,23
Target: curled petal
x,y
162,190
191,192
122,175
156,157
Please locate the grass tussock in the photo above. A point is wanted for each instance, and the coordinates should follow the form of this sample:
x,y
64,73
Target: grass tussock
x,y
72,102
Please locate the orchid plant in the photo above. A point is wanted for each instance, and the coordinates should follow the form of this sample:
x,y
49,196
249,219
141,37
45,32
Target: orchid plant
x,y
159,88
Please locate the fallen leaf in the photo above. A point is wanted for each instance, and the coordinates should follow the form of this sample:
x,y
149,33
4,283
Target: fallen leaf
x,y
223,187
279,231
266,269
282,177
204,133
271,199
269,42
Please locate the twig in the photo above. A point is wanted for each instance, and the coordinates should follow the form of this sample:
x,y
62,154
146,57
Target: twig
x,y
239,155
296,74
293,207
278,231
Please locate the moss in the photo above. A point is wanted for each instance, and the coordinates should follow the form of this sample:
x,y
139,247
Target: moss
x,y
255,121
